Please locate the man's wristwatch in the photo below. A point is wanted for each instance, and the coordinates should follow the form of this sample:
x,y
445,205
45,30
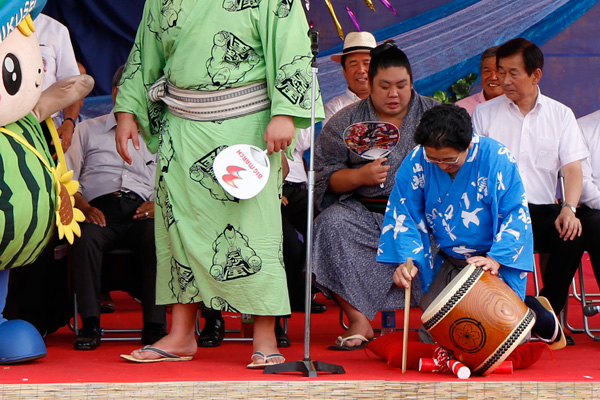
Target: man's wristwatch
x,y
571,207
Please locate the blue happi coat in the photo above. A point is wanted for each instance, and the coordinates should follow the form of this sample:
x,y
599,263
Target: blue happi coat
x,y
482,211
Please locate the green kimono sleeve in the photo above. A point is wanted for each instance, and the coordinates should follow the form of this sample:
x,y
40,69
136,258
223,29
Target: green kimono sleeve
x,y
144,66
284,35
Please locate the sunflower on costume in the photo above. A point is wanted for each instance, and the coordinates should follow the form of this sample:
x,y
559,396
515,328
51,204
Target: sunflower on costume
x,y
67,216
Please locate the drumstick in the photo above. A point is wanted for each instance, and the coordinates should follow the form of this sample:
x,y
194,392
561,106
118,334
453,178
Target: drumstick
x,y
406,317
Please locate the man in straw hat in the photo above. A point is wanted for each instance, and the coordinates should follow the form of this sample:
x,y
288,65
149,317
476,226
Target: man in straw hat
x,y
355,59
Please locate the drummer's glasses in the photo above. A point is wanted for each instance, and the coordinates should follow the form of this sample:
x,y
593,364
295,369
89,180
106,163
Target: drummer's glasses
x,y
445,162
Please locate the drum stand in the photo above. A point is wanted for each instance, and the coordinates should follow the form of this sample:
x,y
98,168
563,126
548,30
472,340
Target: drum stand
x,y
307,366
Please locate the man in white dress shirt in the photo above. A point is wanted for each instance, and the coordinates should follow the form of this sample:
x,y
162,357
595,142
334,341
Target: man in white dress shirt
x,y
543,136
589,210
118,202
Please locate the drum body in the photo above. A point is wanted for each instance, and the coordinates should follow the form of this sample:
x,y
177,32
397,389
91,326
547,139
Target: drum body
x,y
479,318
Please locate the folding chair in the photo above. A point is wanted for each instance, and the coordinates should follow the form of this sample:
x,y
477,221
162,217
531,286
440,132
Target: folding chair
x,y
585,300
579,294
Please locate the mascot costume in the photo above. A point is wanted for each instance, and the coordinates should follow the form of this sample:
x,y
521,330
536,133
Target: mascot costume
x,y
35,193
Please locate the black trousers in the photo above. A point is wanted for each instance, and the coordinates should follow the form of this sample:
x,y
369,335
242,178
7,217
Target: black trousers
x,y
121,231
297,209
38,293
294,219
564,256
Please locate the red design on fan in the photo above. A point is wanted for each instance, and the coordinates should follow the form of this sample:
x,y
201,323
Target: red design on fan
x,y
234,173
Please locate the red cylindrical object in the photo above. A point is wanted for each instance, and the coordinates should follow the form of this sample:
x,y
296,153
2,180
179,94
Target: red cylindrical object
x,y
459,369
506,367
429,365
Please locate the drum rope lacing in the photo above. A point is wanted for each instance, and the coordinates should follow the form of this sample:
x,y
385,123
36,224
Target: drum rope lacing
x,y
507,344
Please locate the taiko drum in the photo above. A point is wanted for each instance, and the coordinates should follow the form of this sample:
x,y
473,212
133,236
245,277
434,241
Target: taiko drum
x,y
479,318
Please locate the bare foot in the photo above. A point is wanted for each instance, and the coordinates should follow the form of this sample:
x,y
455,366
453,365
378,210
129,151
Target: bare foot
x,y
269,359
360,327
358,324
267,347
171,344
264,341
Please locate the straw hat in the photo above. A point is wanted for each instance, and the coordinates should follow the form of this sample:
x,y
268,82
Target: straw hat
x,y
356,42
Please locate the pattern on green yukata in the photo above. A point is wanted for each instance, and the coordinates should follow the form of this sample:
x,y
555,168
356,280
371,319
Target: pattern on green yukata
x,y
202,172
233,258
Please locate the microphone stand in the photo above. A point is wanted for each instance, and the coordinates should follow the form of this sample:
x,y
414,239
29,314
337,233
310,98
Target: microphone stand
x,y
307,366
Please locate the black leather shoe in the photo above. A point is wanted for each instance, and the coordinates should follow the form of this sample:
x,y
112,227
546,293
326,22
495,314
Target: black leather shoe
x,y
213,333
88,337
283,340
317,308
570,340
152,333
107,305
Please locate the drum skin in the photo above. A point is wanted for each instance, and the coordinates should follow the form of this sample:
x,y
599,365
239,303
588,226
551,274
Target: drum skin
x,y
479,318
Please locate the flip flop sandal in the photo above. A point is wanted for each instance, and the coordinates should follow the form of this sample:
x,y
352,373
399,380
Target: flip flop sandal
x,y
255,365
341,343
165,356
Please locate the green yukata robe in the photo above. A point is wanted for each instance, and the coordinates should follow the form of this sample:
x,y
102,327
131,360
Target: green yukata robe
x,y
211,247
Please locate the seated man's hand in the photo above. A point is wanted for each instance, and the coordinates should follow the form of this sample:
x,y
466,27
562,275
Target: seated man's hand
x,y
65,132
567,224
94,216
402,277
374,173
145,211
487,263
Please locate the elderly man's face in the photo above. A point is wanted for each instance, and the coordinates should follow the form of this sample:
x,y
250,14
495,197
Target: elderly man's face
x,y
489,78
448,159
391,92
356,72
518,85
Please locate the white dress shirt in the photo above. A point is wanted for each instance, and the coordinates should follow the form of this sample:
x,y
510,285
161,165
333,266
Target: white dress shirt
x,y
297,172
337,103
57,50
542,142
590,129
100,169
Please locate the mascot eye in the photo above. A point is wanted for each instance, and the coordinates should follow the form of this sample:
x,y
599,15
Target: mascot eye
x,y
11,74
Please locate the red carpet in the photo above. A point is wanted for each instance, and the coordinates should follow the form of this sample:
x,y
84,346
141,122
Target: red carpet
x,y
577,363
